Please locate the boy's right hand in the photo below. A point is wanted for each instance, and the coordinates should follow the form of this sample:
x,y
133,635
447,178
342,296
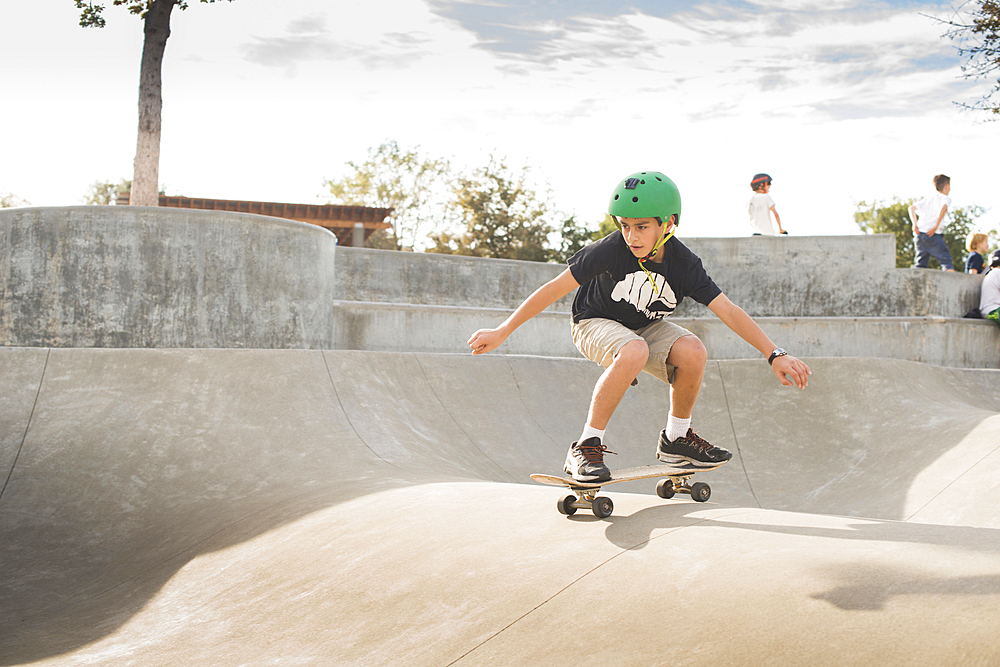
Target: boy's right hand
x,y
485,340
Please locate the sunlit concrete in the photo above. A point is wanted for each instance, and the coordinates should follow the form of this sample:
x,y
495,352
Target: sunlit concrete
x,y
228,507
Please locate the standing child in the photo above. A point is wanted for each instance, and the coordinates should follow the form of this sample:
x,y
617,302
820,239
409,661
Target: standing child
x,y
927,216
628,282
978,244
762,206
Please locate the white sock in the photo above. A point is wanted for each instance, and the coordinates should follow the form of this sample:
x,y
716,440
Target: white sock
x,y
677,427
591,432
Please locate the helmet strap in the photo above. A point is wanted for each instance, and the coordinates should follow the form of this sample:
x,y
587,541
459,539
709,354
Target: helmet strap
x,y
659,244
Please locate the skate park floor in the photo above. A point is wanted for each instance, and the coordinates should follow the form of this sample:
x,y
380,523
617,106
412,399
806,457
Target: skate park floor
x,y
276,507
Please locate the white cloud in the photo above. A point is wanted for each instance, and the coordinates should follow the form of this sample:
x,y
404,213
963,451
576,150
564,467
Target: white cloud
x,y
839,102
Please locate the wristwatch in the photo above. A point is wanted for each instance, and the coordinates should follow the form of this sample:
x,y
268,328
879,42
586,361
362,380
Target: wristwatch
x,y
778,352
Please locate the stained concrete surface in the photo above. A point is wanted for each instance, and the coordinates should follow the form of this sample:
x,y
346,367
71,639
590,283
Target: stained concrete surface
x,y
231,507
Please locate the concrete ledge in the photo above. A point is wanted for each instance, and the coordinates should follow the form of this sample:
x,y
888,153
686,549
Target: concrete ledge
x,y
403,327
954,342
817,276
127,276
939,341
93,276
388,276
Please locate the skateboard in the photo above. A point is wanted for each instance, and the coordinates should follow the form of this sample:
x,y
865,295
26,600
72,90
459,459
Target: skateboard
x,y
675,481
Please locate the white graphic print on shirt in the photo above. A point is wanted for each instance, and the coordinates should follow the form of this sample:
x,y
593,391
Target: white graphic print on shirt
x,y
636,289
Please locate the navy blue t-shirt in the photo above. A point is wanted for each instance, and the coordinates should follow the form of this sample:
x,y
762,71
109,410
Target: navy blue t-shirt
x,y
613,285
975,261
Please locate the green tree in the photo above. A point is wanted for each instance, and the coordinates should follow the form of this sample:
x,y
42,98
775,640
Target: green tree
x,y
891,219
105,193
502,216
572,237
450,243
976,31
10,200
155,15
400,179
608,225
894,218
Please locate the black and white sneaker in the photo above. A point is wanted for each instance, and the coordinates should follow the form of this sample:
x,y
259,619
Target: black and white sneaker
x,y
691,449
585,461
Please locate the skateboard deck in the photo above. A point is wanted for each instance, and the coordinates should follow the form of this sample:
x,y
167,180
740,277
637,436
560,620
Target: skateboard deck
x,y
675,481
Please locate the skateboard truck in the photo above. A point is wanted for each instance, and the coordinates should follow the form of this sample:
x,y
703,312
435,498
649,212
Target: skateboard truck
x,y
586,498
675,479
667,487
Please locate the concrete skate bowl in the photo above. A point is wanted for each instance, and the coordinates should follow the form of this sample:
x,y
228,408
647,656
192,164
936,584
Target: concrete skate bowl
x,y
235,507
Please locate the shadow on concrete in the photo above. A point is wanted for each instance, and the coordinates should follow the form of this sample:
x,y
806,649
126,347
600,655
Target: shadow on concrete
x,y
219,506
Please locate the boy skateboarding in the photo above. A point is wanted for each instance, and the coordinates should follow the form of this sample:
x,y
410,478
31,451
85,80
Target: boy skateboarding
x,y
627,283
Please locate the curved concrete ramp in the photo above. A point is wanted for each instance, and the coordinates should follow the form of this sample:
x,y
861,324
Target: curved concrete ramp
x,y
223,507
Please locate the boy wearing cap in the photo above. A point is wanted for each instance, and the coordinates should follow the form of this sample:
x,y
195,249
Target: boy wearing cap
x,y
762,206
627,283
989,300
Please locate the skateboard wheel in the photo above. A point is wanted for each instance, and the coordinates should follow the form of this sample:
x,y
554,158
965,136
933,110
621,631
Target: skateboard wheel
x,y
566,505
603,507
701,492
665,488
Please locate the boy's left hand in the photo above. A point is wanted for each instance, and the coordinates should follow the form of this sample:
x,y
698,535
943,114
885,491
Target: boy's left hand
x,y
486,340
791,372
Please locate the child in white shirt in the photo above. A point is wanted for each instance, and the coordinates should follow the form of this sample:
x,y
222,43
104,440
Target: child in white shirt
x,y
762,206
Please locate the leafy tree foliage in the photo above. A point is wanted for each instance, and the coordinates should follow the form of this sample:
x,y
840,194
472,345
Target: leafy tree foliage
x,y
572,237
491,213
608,225
400,179
502,216
894,218
504,219
10,200
155,15
976,30
105,193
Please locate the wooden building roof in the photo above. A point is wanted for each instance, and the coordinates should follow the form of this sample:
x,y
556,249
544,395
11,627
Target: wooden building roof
x,y
344,221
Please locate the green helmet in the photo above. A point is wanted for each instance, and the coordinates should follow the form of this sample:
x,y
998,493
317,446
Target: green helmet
x,y
646,194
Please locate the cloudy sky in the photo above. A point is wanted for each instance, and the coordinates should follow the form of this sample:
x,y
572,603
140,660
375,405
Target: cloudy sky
x,y
839,100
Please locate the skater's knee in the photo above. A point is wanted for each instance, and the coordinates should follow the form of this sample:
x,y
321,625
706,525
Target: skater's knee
x,y
688,351
633,355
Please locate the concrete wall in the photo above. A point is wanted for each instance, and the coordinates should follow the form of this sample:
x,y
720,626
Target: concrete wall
x,y
385,276
119,276
808,276
816,296
940,341
830,276
134,277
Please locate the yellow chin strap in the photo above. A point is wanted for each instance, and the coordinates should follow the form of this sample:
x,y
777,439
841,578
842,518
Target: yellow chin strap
x,y
642,265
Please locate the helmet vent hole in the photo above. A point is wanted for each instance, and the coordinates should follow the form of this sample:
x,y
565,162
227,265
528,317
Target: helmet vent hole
x,y
642,182
635,200
616,197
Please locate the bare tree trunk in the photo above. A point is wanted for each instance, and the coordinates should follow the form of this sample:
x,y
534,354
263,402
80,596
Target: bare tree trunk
x,y
146,176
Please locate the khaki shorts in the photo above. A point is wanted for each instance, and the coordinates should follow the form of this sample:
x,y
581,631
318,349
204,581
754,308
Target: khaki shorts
x,y
600,341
